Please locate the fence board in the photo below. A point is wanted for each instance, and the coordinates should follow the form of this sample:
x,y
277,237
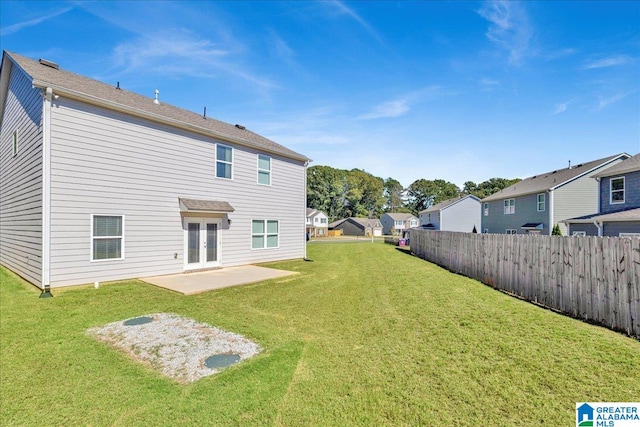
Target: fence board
x,y
592,278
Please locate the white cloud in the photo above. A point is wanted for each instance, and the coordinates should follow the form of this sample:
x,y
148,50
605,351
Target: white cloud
x,y
613,61
31,22
605,102
343,9
180,53
509,28
402,105
488,84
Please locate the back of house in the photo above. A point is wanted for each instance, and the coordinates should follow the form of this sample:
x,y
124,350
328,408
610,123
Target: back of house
x,y
99,183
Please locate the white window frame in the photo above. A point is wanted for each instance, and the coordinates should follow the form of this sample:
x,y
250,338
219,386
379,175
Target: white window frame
x,y
611,190
323,220
511,231
485,231
14,142
265,234
543,202
224,161
509,208
485,209
92,238
629,235
579,233
267,171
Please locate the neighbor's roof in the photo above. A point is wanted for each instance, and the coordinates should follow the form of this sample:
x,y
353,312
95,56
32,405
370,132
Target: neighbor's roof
x,y
65,83
551,180
400,216
623,215
445,204
630,165
364,222
312,213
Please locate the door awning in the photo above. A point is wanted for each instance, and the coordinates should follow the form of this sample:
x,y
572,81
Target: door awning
x,y
193,205
532,226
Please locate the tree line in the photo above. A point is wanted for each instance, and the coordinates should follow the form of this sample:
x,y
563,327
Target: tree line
x,y
342,193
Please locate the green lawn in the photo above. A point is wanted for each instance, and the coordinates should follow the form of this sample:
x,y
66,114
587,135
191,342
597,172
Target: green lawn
x,y
365,335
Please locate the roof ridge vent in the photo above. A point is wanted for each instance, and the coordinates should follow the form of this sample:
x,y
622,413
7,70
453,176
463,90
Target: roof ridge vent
x,y
49,64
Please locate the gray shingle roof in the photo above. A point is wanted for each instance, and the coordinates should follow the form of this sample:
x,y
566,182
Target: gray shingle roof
x,y
630,165
632,214
205,205
550,180
400,216
73,85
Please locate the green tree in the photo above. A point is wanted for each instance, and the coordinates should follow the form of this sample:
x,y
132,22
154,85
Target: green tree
x,y
393,195
556,230
326,189
423,193
487,188
363,194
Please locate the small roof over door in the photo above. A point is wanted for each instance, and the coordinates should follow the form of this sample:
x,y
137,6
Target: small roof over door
x,y
194,205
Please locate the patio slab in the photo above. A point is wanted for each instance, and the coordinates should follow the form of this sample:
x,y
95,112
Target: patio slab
x,y
203,281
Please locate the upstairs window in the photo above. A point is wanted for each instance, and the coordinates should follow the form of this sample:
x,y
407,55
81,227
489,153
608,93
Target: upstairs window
x,y
509,206
486,209
617,190
541,202
264,170
107,235
224,161
323,220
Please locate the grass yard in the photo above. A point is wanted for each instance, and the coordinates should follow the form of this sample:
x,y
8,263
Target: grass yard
x,y
365,335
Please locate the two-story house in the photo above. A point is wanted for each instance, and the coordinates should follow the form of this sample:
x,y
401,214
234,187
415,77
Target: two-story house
x,y
396,223
535,204
461,214
98,183
619,211
317,223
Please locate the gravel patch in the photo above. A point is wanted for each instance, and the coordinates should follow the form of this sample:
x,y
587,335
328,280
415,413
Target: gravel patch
x,y
176,346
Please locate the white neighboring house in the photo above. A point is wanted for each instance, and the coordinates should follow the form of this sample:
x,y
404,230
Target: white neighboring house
x,y
396,223
98,183
317,223
461,214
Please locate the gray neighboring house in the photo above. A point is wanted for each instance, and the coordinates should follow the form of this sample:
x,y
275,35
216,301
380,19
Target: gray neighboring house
x,y
99,183
358,226
461,214
619,211
534,205
396,223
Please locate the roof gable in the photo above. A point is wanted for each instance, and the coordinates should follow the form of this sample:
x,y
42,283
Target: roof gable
x,y
65,83
631,164
552,180
448,203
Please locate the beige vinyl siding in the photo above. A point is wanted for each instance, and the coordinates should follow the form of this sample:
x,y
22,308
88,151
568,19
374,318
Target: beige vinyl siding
x,y
21,179
576,198
108,163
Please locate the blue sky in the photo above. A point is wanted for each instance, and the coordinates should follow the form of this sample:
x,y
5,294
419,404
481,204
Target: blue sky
x,y
437,90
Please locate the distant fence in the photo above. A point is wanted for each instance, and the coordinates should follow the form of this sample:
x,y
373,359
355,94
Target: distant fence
x,y
592,278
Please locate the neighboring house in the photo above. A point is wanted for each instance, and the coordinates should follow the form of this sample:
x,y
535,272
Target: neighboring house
x,y
461,214
396,223
98,183
358,226
534,205
619,211
317,223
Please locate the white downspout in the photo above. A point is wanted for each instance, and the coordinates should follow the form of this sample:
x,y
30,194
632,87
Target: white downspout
x,y
599,227
551,223
304,210
46,189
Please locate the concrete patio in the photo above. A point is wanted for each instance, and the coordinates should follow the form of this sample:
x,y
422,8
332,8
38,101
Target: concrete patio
x,y
203,281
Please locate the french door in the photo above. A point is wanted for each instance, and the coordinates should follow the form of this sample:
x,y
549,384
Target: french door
x,y
201,243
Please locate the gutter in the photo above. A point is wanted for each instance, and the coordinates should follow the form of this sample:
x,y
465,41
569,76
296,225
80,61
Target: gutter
x,y
157,118
599,227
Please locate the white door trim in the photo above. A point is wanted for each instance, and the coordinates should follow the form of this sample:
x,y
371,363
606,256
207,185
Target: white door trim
x,y
201,246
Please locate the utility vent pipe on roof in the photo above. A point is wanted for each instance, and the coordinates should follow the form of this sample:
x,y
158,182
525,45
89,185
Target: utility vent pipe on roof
x,y
48,63
240,127
156,101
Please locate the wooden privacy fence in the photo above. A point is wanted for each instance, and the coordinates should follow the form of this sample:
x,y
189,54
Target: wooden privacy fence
x,y
591,278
